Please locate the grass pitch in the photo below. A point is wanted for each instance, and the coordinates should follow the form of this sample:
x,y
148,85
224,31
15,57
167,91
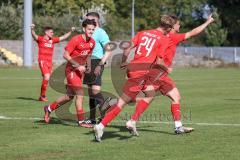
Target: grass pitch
x,y
210,104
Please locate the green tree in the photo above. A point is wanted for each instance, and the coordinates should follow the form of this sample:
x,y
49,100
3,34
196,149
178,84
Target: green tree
x,y
11,22
216,35
229,12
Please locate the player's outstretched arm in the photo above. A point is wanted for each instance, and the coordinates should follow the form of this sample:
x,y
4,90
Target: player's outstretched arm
x,y
34,35
200,28
65,36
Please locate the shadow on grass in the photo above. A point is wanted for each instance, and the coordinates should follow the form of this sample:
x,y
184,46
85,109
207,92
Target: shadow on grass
x,y
52,121
141,129
27,98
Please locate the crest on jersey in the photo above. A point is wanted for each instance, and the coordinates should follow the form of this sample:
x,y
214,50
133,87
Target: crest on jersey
x,y
91,45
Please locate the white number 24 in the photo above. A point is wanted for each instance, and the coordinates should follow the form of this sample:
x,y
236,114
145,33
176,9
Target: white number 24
x,y
147,43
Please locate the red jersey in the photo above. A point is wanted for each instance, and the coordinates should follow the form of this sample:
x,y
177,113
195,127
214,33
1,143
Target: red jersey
x,y
79,49
46,48
170,52
150,45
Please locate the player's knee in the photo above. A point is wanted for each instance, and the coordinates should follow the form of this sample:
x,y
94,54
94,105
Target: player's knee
x,y
69,97
95,91
79,97
46,77
177,98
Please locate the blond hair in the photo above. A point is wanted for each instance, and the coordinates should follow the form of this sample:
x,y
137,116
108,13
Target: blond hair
x,y
166,22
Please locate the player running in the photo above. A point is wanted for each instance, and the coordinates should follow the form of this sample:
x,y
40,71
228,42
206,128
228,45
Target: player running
x,y
77,52
149,44
168,87
45,54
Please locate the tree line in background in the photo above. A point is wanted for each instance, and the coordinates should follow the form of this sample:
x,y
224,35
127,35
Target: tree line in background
x,y
61,15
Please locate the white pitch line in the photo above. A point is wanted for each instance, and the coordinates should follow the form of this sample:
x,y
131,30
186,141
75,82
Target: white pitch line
x,y
18,78
19,118
146,122
194,123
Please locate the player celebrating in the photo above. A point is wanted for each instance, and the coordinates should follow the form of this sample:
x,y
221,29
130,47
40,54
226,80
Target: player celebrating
x,y
77,52
45,53
99,57
168,86
149,45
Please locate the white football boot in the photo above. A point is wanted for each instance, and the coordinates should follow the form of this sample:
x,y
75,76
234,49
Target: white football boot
x,y
131,126
182,129
98,132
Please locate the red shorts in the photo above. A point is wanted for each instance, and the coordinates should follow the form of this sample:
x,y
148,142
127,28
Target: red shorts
x,y
45,67
166,85
133,86
155,76
140,80
74,79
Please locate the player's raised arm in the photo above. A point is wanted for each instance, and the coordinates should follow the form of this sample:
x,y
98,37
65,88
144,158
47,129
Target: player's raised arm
x,y
200,28
65,36
35,36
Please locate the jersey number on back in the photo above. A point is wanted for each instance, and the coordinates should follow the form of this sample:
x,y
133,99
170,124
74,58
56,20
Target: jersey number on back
x,y
147,43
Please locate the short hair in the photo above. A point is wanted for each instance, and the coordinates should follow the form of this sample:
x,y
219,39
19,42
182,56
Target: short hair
x,y
166,22
94,14
47,28
88,22
174,17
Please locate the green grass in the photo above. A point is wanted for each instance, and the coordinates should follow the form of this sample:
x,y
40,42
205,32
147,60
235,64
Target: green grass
x,y
208,96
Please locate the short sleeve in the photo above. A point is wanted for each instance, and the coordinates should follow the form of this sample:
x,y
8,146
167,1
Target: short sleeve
x,y
40,38
104,38
177,38
135,39
71,45
56,39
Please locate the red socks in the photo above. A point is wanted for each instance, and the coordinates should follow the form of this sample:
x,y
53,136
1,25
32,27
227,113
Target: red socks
x,y
80,115
176,112
111,115
140,108
44,88
53,106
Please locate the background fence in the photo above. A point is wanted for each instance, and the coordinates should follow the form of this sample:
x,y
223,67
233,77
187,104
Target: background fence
x,y
227,54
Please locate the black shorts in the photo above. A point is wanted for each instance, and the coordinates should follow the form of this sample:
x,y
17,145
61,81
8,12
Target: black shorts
x,y
91,78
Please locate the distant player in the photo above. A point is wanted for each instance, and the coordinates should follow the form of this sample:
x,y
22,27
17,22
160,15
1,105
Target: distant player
x,y
77,52
150,45
45,54
168,86
99,57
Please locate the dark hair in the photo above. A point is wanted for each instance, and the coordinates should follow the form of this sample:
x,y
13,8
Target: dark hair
x,y
94,14
89,22
174,17
47,28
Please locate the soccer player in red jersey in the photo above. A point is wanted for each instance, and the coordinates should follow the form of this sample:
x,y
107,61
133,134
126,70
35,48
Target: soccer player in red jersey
x,y
149,45
77,53
168,87
45,54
